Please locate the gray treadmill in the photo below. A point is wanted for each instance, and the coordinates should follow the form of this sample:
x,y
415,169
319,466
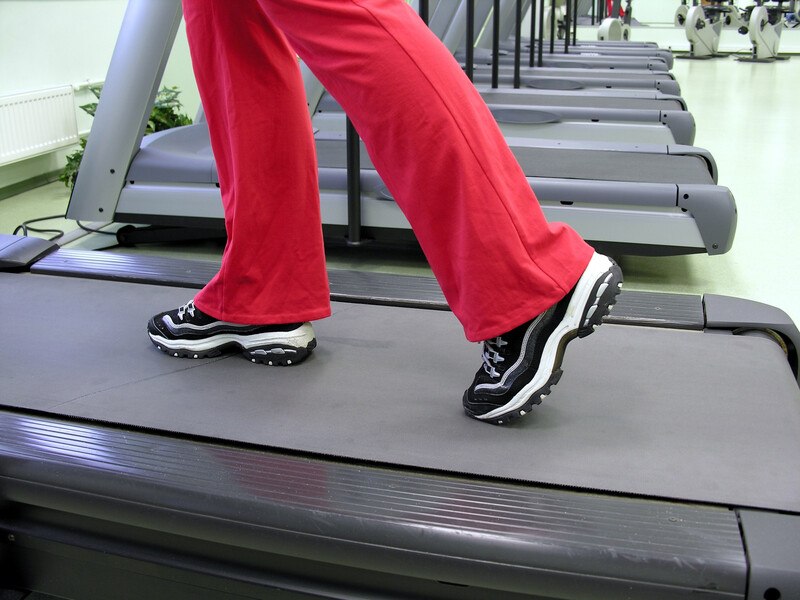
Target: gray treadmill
x,y
663,466
171,179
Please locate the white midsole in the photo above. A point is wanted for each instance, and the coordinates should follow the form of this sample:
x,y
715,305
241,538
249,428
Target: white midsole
x,y
598,265
297,338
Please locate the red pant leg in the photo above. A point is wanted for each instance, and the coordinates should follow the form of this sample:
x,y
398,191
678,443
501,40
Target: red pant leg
x,y
442,156
273,268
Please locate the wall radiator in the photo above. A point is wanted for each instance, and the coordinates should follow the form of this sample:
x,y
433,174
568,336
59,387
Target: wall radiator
x,y
34,123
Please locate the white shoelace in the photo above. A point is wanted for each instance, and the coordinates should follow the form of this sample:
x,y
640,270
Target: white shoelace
x,y
491,355
188,307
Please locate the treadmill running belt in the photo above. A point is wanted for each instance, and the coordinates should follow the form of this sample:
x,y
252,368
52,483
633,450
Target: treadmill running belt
x,y
651,412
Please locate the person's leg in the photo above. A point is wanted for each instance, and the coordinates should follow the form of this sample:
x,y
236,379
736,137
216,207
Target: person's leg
x,y
273,268
526,286
442,156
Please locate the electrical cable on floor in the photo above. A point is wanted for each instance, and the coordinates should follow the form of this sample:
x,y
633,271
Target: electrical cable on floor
x,y
90,230
25,228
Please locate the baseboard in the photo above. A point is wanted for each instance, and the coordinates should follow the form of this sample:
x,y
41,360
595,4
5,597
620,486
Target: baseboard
x,y
28,184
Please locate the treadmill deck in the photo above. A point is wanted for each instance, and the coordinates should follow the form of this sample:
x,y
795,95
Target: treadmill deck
x,y
642,411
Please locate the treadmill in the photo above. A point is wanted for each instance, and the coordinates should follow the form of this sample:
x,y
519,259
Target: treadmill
x,y
570,44
522,122
171,179
554,87
523,112
663,466
552,71
566,54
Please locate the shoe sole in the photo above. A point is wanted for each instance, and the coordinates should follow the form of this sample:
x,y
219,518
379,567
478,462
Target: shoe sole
x,y
273,349
593,299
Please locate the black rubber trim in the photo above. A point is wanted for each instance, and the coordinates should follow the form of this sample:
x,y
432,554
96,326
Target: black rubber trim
x,y
658,309
346,286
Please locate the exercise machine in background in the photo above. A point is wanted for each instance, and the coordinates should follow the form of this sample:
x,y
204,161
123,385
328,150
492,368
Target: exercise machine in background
x,y
703,25
617,26
765,22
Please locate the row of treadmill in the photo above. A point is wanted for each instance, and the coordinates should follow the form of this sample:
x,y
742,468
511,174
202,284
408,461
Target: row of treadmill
x,y
599,128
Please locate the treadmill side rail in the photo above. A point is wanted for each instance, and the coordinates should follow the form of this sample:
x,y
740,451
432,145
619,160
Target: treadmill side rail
x,y
682,125
714,210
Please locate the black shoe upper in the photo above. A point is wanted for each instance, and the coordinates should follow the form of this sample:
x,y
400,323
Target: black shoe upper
x,y
189,322
511,361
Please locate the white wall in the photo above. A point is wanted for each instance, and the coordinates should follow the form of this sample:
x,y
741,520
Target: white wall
x,y
48,43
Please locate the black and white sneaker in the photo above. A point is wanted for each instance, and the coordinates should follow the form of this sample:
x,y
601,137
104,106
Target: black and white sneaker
x,y
188,332
522,365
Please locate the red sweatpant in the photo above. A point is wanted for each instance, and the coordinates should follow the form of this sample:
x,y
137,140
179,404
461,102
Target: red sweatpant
x,y
428,132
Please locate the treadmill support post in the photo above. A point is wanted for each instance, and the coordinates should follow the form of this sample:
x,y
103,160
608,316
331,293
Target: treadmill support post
x,y
541,33
424,11
496,45
531,53
470,39
145,40
517,43
353,186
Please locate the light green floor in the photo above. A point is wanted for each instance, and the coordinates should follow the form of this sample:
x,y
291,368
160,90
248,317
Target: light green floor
x,y
746,116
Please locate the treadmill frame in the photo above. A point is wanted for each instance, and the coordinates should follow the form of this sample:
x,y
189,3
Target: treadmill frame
x,y
93,511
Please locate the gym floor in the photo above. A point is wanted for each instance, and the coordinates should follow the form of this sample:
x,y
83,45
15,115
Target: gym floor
x,y
745,116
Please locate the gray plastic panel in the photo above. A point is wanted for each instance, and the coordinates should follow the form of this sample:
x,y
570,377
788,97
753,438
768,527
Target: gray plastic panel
x,y
773,554
18,252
